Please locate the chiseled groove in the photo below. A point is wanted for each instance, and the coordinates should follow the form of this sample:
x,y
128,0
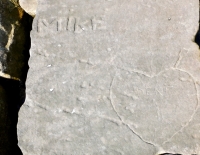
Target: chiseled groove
x,y
123,122
195,110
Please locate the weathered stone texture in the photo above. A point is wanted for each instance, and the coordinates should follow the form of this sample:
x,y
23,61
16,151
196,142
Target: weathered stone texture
x,y
113,77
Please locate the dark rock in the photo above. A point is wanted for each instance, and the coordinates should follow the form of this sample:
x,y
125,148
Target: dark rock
x,y
15,26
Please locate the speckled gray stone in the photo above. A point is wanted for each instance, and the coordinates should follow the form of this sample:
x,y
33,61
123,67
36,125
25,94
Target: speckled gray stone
x,y
113,77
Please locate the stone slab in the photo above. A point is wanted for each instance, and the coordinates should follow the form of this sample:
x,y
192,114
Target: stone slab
x,y
112,77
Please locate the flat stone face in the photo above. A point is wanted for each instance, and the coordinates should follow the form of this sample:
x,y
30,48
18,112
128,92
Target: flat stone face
x,y
112,77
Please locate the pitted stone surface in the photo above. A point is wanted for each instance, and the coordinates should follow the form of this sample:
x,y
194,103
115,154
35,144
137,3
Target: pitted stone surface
x,y
112,77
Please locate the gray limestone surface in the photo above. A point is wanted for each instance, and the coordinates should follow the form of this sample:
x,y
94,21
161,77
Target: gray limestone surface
x,y
112,77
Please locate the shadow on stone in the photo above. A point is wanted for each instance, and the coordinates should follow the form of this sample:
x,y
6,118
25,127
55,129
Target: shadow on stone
x,y
169,154
197,38
15,43
9,103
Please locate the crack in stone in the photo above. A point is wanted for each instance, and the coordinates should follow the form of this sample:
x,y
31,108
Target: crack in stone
x,y
195,110
135,71
178,60
110,96
144,74
118,122
122,121
152,76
